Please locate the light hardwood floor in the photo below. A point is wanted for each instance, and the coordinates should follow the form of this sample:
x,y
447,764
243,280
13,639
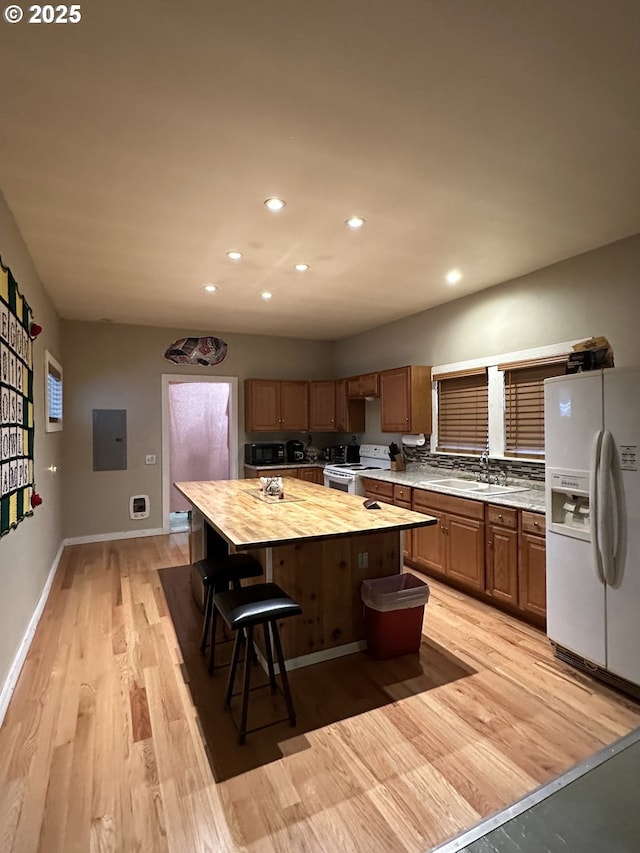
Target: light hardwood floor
x,y
104,749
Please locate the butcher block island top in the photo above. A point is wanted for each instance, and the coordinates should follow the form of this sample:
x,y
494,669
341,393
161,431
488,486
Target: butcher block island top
x,y
308,511
318,544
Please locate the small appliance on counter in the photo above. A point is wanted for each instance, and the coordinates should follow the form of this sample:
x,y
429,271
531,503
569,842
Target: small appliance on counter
x,y
353,451
338,453
295,451
265,453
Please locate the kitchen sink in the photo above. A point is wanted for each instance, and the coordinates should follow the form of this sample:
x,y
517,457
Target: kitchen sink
x,y
473,487
464,485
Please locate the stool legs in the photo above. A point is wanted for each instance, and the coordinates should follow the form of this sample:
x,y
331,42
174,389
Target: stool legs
x,y
283,673
269,656
269,627
208,607
212,650
232,669
245,688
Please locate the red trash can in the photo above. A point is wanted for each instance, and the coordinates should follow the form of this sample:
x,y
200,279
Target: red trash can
x,y
393,614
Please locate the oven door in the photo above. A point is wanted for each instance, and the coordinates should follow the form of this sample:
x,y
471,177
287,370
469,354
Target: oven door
x,y
340,480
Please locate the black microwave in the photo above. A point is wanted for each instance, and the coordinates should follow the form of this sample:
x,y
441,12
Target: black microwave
x,y
265,453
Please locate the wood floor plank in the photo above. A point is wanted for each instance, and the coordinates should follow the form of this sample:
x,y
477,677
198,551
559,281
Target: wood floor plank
x,y
115,738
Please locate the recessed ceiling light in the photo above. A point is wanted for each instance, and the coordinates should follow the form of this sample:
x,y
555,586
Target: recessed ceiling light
x,y
210,288
453,276
275,203
355,222
302,267
266,295
234,256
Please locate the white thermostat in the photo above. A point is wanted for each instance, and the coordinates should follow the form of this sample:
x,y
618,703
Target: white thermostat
x,y
139,506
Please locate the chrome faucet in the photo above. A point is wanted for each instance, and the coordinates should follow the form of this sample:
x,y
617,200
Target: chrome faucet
x,y
483,474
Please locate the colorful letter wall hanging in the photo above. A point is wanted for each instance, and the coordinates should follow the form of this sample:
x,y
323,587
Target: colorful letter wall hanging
x,y
16,404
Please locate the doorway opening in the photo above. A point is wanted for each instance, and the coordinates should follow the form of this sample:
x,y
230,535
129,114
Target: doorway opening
x,y
199,438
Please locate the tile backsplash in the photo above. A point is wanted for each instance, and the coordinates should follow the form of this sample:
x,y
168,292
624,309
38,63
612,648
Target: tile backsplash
x,y
515,468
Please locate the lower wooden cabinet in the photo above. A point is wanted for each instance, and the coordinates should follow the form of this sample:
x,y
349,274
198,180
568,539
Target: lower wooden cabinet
x,y
402,497
495,552
516,560
428,546
533,565
378,490
501,554
308,473
465,551
312,475
454,547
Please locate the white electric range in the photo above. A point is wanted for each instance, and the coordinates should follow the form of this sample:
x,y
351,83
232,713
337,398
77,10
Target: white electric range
x,y
345,476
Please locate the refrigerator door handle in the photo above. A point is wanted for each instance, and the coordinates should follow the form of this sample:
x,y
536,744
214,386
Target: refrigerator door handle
x,y
605,507
619,517
593,504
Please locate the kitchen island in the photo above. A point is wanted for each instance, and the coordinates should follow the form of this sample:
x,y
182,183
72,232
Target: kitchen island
x,y
318,544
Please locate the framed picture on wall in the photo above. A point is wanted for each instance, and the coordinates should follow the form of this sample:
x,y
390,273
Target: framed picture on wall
x,y
52,393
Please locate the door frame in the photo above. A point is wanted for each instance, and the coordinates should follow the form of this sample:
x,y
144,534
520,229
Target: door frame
x,y
168,379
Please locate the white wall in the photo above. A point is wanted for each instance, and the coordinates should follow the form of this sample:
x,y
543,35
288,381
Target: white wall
x,y
113,366
597,293
28,552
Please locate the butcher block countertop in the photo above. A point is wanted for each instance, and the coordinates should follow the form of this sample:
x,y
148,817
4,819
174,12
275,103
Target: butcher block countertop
x,y
308,511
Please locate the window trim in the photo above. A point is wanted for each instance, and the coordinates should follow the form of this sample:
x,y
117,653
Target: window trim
x,y
53,403
471,373
520,388
495,379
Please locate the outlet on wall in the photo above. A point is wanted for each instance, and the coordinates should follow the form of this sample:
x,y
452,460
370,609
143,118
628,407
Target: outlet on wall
x,y
150,459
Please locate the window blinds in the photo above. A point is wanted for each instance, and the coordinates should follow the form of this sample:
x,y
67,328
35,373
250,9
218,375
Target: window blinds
x,y
463,406
524,404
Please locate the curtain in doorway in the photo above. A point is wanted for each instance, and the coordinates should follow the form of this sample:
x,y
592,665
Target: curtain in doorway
x,y
198,435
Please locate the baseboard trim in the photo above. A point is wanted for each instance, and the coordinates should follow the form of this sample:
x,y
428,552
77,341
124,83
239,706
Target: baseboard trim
x,y
108,537
23,649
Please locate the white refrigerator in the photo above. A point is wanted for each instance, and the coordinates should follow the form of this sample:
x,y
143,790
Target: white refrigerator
x,y
592,482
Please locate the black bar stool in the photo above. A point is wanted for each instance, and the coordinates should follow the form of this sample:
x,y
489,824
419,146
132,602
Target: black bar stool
x,y
219,573
242,609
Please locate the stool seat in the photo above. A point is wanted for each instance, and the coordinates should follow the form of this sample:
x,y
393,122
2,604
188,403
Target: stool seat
x,y
221,571
242,609
254,604
217,574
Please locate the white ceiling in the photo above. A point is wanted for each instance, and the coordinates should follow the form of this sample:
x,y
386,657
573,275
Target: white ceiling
x,y
138,146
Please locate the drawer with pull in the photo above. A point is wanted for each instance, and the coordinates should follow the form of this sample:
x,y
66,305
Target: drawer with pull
x,y
378,488
533,522
502,515
402,494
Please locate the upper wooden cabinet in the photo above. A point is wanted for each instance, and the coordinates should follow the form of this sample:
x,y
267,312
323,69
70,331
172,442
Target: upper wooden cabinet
x,y
350,414
272,405
322,405
331,410
365,385
406,399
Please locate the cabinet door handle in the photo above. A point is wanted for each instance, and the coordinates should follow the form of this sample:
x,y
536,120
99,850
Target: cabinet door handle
x,y
490,543
499,515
